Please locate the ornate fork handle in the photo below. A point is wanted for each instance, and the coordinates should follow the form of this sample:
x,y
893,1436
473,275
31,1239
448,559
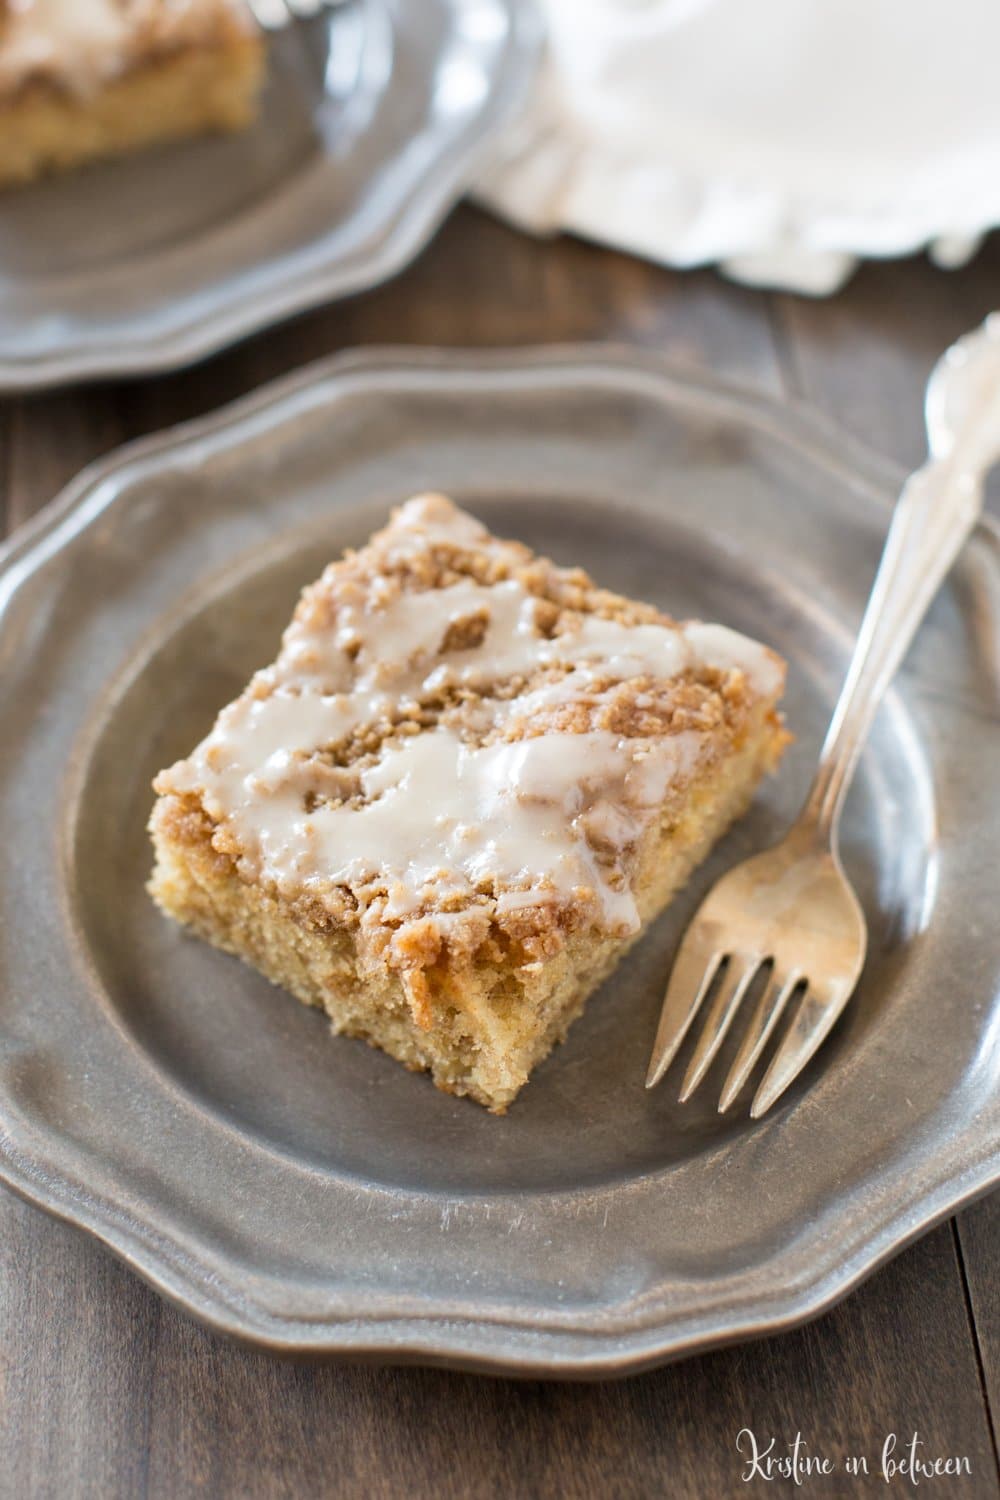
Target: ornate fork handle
x,y
934,516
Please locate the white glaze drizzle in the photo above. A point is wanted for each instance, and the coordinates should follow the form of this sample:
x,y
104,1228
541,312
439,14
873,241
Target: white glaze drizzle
x,y
541,819
84,43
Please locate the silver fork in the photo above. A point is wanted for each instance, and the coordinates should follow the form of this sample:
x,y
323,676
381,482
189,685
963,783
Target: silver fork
x,y
274,15
792,907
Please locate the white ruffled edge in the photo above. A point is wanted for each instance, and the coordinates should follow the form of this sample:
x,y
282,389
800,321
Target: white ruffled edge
x,y
545,178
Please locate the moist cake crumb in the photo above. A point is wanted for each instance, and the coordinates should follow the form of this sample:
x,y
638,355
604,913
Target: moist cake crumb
x,y
468,781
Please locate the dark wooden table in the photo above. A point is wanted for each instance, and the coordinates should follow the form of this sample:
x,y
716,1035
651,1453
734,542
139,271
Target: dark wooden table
x,y
105,1391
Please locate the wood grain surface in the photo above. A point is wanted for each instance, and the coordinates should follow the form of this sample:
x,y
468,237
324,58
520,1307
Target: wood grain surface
x,y
107,1391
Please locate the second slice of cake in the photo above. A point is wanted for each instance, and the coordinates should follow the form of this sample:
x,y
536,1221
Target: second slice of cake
x,y
467,783
83,79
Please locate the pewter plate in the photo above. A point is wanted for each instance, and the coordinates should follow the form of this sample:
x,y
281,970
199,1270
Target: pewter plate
x,y
376,118
305,1192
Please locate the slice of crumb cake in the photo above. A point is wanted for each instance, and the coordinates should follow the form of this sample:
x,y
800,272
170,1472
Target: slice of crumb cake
x,y
82,79
467,783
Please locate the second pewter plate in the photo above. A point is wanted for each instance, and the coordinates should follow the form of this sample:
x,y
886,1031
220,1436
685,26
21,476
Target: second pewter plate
x,y
304,1191
375,119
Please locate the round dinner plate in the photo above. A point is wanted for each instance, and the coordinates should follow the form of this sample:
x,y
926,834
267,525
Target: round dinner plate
x,y
306,1192
376,117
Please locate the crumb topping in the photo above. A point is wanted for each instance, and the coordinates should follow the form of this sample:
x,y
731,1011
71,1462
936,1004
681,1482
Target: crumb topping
x,y
460,742
82,44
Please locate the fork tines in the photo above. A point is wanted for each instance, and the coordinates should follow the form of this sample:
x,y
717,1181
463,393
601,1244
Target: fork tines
x,y
701,971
